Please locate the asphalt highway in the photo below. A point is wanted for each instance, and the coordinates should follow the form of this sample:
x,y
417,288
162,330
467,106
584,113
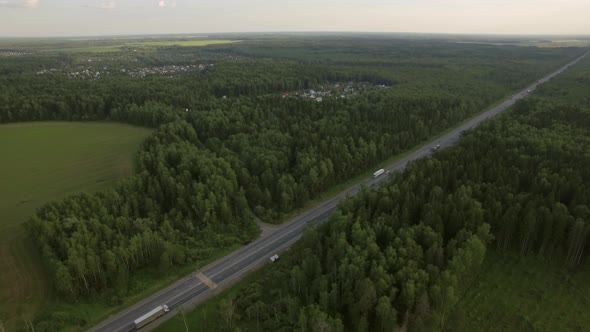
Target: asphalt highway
x,y
240,262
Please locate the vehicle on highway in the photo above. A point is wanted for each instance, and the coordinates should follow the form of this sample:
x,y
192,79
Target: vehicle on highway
x,y
435,148
274,258
151,316
378,172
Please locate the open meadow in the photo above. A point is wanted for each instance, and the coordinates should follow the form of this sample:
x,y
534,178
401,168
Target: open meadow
x,y
47,161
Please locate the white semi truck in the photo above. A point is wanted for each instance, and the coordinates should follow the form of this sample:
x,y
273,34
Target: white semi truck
x,y
378,172
151,316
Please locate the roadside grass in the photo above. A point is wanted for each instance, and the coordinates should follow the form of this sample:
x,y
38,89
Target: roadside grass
x,y
44,161
524,294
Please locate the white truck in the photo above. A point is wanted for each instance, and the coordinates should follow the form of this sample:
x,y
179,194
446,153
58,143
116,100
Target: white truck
x,y
151,316
378,172
274,258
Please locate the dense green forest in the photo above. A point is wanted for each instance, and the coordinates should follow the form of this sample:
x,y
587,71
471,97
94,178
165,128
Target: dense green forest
x,y
238,136
400,256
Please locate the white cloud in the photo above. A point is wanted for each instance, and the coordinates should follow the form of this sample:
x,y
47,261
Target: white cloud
x,y
20,3
167,3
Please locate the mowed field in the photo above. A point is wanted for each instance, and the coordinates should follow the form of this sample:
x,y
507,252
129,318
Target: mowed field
x,y
42,162
524,294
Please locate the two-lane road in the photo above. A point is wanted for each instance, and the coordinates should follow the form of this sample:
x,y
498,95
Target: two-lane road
x,y
199,284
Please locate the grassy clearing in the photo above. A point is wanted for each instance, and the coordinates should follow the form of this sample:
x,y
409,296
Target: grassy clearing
x,y
524,294
42,162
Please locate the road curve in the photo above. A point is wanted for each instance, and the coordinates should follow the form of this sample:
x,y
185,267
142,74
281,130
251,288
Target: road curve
x,y
240,262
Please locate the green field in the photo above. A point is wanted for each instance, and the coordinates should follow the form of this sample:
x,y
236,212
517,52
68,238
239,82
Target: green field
x,y
184,43
120,45
43,162
524,294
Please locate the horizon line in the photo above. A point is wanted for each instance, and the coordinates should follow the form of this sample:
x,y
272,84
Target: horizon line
x,y
205,34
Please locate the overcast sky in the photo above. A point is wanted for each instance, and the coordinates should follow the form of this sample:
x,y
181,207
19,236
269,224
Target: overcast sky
x,y
98,17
